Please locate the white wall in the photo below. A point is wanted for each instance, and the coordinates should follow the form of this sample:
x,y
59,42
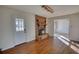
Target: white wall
x,y
1,34
7,32
50,27
74,27
30,27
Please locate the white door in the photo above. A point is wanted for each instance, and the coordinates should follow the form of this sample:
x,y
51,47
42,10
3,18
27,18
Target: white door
x,y
20,31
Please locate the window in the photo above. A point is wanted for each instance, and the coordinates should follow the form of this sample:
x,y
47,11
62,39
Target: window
x,y
19,24
62,26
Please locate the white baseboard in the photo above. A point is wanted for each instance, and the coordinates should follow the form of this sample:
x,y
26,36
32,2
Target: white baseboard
x,y
8,47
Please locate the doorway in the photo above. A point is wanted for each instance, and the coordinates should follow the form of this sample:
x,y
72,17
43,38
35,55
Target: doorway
x,y
20,31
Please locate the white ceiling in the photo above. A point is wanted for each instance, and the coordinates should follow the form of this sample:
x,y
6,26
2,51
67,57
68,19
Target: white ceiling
x,y
59,10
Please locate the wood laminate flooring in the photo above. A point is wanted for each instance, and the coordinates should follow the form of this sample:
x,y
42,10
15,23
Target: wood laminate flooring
x,y
45,46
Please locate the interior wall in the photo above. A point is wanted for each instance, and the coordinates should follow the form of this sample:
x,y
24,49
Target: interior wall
x,y
50,26
73,25
1,34
30,27
7,31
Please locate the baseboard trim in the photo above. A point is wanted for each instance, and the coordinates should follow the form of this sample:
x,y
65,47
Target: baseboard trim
x,y
8,48
15,45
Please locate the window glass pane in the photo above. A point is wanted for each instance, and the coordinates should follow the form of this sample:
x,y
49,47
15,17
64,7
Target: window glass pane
x,y
19,24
